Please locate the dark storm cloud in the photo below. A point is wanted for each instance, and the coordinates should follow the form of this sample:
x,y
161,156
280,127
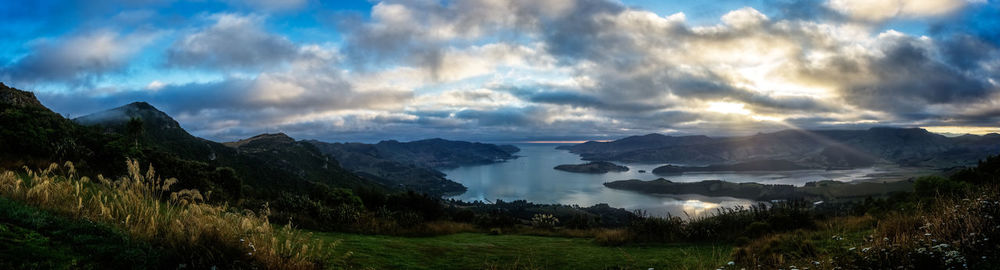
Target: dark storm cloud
x,y
908,78
512,117
966,52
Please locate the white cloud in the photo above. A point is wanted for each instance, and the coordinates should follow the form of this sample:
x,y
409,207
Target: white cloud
x,y
79,58
870,10
155,85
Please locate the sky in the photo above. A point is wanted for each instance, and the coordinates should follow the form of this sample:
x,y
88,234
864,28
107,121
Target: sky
x,y
513,70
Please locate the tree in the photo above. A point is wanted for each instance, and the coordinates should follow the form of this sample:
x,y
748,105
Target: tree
x,y
135,129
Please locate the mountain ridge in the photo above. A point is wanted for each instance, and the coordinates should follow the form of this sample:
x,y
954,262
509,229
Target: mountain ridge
x,y
813,148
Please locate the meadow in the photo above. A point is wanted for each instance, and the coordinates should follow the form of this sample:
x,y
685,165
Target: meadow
x,y
485,251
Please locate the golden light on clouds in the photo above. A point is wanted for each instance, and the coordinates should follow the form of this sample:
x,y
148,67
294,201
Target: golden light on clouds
x,y
962,129
728,108
725,107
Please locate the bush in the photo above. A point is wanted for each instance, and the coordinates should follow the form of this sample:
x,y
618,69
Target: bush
x,y
544,221
932,186
582,222
463,215
495,219
953,233
656,229
776,250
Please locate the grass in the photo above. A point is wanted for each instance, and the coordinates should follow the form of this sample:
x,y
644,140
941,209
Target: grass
x,y
139,206
35,239
483,251
949,232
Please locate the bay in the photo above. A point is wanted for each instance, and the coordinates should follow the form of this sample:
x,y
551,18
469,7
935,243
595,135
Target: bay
x,y
531,177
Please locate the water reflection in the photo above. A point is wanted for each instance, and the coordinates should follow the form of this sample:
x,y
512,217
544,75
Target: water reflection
x,y
532,178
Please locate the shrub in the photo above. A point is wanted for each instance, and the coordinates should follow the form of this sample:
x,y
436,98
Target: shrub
x,y
463,215
612,237
954,233
582,222
656,229
776,250
544,221
495,219
932,186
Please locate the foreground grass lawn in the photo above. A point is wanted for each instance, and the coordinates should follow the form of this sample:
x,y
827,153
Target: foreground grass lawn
x,y
482,251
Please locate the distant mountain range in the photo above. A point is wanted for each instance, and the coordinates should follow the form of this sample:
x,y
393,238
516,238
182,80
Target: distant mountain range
x,y
829,149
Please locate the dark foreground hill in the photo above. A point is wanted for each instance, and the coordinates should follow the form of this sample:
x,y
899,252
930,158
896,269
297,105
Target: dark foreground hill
x,y
805,148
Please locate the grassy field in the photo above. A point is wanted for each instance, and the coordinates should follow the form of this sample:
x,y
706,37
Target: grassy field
x,y
483,251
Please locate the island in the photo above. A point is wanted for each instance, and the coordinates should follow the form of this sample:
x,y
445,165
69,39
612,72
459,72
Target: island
x,y
757,165
592,167
821,190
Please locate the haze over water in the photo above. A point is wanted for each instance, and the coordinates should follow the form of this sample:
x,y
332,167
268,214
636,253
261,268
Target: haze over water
x,y
532,177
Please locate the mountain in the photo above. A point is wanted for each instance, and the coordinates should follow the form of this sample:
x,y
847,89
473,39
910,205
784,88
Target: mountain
x,y
633,143
275,157
366,160
19,98
441,153
413,165
266,164
34,136
158,129
820,148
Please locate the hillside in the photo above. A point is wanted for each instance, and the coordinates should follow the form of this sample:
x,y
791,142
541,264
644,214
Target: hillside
x,y
264,162
441,153
592,167
32,135
365,159
814,191
820,148
413,165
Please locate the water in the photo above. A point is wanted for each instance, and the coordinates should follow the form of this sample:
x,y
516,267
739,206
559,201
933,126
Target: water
x,y
532,178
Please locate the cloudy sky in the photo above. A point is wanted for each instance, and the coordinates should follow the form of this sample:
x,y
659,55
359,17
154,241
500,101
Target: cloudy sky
x,y
513,70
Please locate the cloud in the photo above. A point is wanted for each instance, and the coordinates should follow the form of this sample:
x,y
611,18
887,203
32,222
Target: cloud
x,y
78,59
507,68
272,5
883,10
233,41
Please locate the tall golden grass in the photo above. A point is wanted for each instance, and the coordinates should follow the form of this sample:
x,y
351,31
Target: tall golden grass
x,y
139,204
941,232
